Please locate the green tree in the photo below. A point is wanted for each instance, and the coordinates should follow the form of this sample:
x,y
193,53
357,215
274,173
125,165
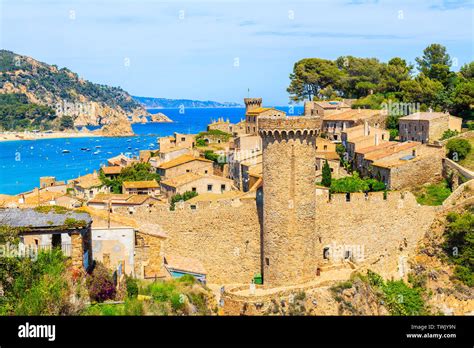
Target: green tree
x,y
136,172
360,75
421,90
393,73
458,148
326,180
310,76
66,123
435,63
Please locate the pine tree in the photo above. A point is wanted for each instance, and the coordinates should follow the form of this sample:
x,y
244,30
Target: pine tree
x,y
326,181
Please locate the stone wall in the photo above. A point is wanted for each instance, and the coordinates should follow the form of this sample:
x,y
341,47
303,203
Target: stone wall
x,y
381,231
427,169
224,237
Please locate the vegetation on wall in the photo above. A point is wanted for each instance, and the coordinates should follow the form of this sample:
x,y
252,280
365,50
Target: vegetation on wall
x,y
459,245
356,184
215,134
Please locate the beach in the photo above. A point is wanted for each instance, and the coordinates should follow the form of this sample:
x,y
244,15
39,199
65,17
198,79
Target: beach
x,y
26,135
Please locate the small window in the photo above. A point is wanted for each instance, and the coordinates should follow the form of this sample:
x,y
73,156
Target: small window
x,y
348,197
223,187
188,170
326,253
383,136
183,139
347,254
193,207
193,189
209,188
205,172
325,147
267,261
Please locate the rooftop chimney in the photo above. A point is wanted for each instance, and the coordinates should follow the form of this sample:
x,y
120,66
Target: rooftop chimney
x,y
376,140
366,128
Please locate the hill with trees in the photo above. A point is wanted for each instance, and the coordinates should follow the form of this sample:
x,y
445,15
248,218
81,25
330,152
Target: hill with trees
x,y
433,84
29,85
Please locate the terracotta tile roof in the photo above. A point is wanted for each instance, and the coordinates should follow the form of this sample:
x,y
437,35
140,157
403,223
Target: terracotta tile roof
x,y
173,149
352,115
111,170
186,264
214,197
181,179
257,111
329,155
181,160
333,104
368,149
391,150
140,184
427,116
88,181
191,177
119,198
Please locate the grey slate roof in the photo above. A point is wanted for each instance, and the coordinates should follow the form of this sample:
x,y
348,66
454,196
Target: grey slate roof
x,y
16,217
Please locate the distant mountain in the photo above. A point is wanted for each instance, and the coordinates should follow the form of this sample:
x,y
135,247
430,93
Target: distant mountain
x,y
42,96
158,103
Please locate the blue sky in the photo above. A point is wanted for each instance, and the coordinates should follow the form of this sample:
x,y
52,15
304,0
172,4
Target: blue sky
x,y
216,50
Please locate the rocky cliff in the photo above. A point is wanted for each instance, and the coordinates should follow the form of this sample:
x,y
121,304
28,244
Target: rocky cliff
x,y
69,95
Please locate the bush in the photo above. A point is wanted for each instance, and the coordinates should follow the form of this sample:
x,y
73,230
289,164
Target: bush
x,y
355,184
434,194
470,125
458,149
100,284
182,197
459,245
132,287
449,134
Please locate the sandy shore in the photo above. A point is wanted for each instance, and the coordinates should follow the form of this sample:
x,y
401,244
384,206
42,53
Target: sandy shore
x,y
11,136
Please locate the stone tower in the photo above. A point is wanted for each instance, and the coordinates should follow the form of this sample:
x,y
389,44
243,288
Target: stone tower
x,y
252,103
289,174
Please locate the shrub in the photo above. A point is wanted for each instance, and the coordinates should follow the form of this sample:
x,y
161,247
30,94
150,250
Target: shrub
x,y
133,307
132,287
458,149
470,125
182,197
449,134
459,245
434,194
100,284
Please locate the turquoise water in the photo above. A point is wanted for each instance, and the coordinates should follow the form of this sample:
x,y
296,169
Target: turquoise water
x,y
23,162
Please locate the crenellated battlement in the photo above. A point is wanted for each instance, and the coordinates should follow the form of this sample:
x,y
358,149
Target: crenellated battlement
x,y
288,126
252,103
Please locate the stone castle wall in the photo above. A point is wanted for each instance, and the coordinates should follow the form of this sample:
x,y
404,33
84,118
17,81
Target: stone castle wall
x,y
224,237
380,231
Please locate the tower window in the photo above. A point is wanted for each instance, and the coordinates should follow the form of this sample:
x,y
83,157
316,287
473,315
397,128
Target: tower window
x,y
267,261
348,197
326,253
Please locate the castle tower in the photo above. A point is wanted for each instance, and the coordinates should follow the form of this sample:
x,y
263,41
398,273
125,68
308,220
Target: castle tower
x,y
289,214
252,103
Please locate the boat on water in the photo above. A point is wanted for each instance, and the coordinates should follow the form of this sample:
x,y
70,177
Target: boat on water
x,y
98,146
85,149
129,140
65,151
109,153
96,152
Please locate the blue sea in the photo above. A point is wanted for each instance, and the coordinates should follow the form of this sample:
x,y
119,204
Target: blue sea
x,y
23,162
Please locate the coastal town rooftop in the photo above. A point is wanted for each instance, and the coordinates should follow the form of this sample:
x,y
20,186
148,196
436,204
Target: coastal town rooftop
x,y
182,160
424,116
353,115
140,184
